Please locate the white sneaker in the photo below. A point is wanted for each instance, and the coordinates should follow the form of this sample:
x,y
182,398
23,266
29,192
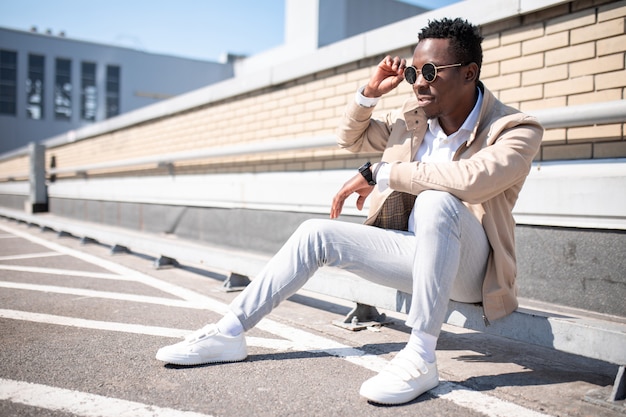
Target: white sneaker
x,y
206,345
405,378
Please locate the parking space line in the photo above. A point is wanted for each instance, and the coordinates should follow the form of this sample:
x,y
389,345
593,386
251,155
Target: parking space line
x,y
65,272
81,403
29,256
170,302
274,344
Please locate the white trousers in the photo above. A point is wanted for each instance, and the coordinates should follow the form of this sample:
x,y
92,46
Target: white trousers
x,y
445,258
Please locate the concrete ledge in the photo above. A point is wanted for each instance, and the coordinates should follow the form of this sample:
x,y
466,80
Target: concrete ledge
x,y
590,335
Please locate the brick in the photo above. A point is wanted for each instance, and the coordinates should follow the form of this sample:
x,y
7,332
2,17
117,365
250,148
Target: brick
x,y
336,79
359,75
571,21
545,103
303,117
286,101
521,94
594,133
503,82
491,41
611,45
565,152
595,97
554,41
338,100
349,87
609,150
490,70
295,109
324,113
554,136
326,92
502,53
315,127
603,30
571,54
314,85
296,90
524,63
305,97
313,105
612,11
545,75
331,123
597,66
522,33
611,80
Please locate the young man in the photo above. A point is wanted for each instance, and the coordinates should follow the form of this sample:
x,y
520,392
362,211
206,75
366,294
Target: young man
x,y
454,160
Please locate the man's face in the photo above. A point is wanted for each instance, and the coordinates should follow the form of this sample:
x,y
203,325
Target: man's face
x,y
439,98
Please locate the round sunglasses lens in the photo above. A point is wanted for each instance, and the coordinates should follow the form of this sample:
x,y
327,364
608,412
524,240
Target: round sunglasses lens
x,y
410,75
429,72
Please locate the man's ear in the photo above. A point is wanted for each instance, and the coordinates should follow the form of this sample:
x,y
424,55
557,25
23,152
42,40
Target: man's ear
x,y
471,72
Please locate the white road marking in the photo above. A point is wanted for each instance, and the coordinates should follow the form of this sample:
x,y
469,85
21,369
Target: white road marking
x,y
171,302
275,344
474,400
29,256
458,394
65,272
82,403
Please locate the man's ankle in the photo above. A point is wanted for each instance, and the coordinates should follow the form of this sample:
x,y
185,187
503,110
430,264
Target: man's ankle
x,y
230,325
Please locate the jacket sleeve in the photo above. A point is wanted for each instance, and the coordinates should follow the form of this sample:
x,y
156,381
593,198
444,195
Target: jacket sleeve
x,y
358,132
492,170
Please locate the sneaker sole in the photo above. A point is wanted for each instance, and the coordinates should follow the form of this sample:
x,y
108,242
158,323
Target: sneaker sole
x,y
194,362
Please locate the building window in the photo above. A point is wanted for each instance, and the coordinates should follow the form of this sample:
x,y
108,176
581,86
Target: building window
x,y
89,103
113,91
8,82
63,90
34,87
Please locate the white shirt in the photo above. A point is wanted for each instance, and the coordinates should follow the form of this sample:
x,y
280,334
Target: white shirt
x,y
436,146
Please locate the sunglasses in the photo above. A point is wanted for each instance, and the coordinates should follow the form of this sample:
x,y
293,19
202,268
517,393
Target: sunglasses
x,y
428,71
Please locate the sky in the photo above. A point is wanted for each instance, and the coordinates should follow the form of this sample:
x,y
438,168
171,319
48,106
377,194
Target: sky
x,y
198,29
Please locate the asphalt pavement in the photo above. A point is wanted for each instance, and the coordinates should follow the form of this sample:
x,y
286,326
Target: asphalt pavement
x,y
79,328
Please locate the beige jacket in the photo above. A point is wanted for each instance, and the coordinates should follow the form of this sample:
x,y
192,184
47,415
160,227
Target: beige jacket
x,y
487,174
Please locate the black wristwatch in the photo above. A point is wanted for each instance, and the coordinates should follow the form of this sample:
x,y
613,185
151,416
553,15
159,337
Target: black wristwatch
x,y
367,172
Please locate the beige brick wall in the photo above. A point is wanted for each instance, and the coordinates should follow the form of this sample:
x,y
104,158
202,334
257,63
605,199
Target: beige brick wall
x,y
15,168
569,54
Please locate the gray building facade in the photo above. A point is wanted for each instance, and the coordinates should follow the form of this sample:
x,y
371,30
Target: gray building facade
x,y
51,84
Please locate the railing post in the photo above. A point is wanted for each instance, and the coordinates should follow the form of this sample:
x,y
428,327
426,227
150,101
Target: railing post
x,y
38,193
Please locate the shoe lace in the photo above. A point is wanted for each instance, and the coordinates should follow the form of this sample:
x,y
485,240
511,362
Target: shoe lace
x,y
406,366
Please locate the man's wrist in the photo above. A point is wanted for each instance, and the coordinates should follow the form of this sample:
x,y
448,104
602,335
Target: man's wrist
x,y
366,171
364,101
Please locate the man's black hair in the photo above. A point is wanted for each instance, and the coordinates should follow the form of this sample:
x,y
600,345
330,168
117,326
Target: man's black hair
x,y
465,38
